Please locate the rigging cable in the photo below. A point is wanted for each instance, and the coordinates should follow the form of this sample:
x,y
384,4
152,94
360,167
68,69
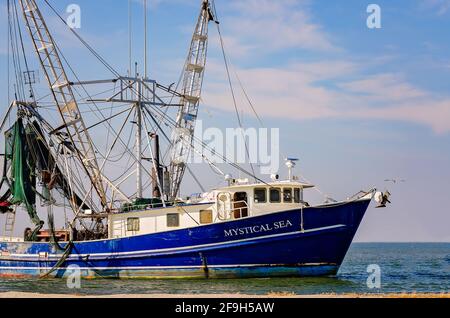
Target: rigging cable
x,y
247,96
222,45
248,99
110,114
98,56
130,38
113,71
16,61
8,52
23,52
84,89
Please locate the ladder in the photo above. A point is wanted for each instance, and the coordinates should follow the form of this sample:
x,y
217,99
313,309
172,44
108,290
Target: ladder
x,y
61,90
9,224
183,134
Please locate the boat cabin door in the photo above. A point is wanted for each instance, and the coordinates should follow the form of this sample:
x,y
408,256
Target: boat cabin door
x,y
224,205
240,205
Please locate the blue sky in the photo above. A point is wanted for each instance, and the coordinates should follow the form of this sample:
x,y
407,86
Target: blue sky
x,y
357,105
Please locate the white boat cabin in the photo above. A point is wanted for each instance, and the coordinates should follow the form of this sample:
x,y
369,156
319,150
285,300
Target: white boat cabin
x,y
236,201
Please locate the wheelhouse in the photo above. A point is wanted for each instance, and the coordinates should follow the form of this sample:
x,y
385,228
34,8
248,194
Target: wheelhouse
x,y
234,202
243,200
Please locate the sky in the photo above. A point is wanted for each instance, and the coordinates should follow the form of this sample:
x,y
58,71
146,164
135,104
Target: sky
x,y
356,105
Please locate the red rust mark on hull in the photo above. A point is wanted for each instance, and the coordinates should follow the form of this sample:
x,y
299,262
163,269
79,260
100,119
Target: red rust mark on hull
x,y
15,276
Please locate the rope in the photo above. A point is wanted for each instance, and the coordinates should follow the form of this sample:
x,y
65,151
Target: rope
x,y
107,65
98,56
345,202
162,114
23,52
62,260
16,61
195,178
8,53
316,188
248,99
179,207
233,95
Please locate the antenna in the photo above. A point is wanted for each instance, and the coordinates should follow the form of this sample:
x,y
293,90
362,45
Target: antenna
x,y
290,164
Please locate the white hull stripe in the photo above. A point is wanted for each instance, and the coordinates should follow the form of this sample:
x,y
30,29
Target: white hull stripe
x,y
166,267
165,250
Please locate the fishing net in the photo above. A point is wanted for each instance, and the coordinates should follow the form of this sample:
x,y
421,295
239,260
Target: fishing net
x,y
23,172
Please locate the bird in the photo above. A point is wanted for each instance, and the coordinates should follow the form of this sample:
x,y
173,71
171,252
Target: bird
x,y
384,199
394,180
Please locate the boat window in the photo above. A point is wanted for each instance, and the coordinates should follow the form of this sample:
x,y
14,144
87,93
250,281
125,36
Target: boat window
x,y
275,195
133,224
297,196
173,220
260,195
287,195
240,205
206,216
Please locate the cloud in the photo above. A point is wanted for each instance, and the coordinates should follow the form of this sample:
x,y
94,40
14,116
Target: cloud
x,y
266,26
289,92
153,4
440,6
297,91
433,113
385,87
344,87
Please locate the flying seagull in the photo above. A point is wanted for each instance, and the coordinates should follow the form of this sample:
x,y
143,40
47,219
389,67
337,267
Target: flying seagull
x,y
394,180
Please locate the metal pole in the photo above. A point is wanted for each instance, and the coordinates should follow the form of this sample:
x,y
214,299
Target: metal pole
x,y
8,48
139,142
156,175
145,40
130,39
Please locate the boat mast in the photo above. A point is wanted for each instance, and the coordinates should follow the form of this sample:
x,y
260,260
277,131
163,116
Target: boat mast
x,y
138,106
183,134
145,41
60,86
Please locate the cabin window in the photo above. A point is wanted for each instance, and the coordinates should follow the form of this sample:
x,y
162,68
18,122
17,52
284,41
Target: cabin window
x,y
173,220
133,224
297,195
260,195
240,205
287,195
275,195
206,217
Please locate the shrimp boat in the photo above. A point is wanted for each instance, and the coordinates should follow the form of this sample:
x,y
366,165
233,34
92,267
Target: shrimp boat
x,y
97,156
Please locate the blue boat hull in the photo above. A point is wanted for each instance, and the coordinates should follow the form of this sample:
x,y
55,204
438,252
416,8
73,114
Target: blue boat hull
x,y
312,242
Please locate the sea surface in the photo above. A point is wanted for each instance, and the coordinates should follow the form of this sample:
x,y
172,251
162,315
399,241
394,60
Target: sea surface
x,y
405,268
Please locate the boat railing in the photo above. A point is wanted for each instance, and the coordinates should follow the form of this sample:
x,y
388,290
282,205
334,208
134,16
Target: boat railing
x,y
11,239
149,206
361,194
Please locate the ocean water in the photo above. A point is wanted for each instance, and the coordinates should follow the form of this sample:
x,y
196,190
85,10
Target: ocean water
x,y
405,268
